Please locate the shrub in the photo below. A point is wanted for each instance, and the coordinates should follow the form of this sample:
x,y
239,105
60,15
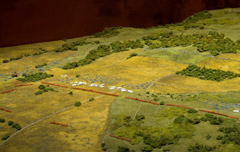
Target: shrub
x,y
16,126
42,65
194,121
38,92
5,61
214,120
200,148
140,117
208,137
123,149
45,90
132,55
162,103
77,104
192,111
103,146
77,76
2,120
5,137
180,120
203,119
147,148
41,87
219,137
71,93
10,123
91,99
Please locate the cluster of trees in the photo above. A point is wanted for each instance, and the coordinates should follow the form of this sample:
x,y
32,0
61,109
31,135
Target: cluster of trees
x,y
212,42
200,148
197,16
108,32
41,65
190,21
118,46
104,50
231,135
13,125
35,77
207,74
182,120
213,119
43,89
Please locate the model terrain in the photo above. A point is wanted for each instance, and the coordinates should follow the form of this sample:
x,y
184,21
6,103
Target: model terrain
x,y
165,88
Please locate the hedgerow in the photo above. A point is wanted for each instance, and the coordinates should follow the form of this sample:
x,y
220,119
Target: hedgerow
x,y
35,77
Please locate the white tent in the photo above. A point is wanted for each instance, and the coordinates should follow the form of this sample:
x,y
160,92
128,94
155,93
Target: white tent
x,y
123,90
112,88
236,111
130,91
101,85
91,85
118,88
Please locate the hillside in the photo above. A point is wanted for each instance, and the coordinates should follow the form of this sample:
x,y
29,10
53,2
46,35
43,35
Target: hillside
x,y
164,88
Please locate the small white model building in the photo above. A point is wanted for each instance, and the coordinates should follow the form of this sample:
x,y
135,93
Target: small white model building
x,y
235,110
130,91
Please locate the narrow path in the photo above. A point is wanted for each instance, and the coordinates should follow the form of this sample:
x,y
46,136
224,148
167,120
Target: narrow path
x,y
44,118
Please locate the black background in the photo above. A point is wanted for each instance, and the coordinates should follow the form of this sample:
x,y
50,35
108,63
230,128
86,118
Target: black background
x,y
29,21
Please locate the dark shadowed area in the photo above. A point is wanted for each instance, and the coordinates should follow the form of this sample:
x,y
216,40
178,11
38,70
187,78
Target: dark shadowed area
x,y
29,21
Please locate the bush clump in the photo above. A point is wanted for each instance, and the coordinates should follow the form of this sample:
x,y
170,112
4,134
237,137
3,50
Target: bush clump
x,y
140,117
16,126
108,32
123,149
10,123
207,74
35,77
132,55
38,92
91,99
147,148
42,65
231,134
2,120
5,137
77,104
213,119
192,111
200,148
5,61
162,103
